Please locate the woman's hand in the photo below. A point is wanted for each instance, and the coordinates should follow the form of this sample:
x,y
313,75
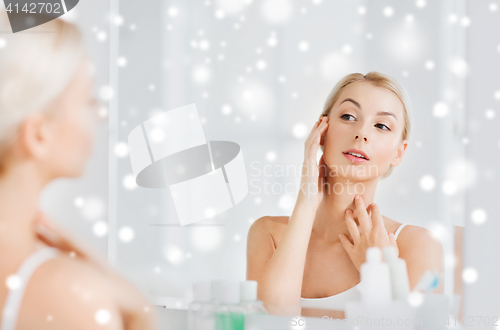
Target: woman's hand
x,y
313,175
371,232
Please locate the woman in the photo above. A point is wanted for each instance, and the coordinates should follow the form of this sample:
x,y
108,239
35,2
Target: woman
x,y
47,114
313,257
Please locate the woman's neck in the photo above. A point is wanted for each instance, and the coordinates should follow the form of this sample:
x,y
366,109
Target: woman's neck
x,y
20,189
338,197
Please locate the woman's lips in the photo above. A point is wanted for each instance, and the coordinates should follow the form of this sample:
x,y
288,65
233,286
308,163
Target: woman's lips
x,y
355,159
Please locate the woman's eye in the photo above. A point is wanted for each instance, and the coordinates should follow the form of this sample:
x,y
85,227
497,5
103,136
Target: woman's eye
x,y
346,114
386,128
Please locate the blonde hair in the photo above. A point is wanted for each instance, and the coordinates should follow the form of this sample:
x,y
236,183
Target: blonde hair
x,y
35,67
380,80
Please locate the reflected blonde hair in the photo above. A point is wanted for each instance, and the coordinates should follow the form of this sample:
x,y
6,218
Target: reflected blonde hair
x,y
35,67
377,79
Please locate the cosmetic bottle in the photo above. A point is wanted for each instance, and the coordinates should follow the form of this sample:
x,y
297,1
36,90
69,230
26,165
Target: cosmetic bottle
x,y
248,298
201,309
400,283
229,315
375,277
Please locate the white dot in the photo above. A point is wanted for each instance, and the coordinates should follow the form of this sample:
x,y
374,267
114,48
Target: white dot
x,y
449,187
106,93
102,36
103,111
277,11
469,275
303,46
465,140
226,109
121,149
493,6
204,45
201,74
13,282
282,79
129,182
173,254
258,200
100,228
465,21
388,11
122,61
173,11
427,182
452,18
133,27
126,234
421,3
361,10
237,238
299,130
271,156
478,216
49,317
261,65
369,35
152,87
79,201
317,2
415,299
294,95
272,41
410,18
490,114
347,49
440,109
3,42
429,65
459,67
102,316
93,208
118,20
497,95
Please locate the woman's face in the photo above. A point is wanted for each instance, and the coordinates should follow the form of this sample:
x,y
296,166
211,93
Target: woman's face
x,y
360,120
70,127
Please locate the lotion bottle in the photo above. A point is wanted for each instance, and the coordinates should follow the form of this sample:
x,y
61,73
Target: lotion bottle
x,y
375,276
400,284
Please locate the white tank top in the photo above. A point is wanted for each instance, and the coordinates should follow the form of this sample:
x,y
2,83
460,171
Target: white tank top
x,y
339,300
15,295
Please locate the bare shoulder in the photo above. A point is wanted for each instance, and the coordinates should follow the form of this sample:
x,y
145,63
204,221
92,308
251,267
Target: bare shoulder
x,y
272,225
68,293
412,236
422,251
262,240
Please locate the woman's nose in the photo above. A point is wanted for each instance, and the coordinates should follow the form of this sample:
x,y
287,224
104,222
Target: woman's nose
x,y
364,137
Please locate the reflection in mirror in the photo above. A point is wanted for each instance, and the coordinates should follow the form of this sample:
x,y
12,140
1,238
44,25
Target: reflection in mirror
x,y
392,134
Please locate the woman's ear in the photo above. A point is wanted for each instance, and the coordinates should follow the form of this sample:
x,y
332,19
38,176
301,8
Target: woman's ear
x,y
400,153
34,135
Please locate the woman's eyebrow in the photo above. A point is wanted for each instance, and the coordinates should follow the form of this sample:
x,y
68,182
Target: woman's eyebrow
x,y
380,113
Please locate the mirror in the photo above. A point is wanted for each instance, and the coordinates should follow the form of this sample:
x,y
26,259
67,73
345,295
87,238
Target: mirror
x,y
259,73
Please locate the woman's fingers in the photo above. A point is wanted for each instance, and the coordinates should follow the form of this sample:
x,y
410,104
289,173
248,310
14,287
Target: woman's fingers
x,y
363,218
377,221
312,142
352,226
